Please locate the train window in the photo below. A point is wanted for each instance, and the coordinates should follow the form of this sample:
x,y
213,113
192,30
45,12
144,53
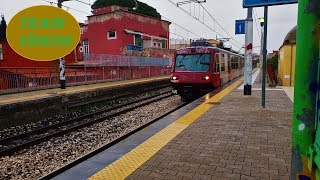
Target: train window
x,y
192,63
222,65
234,62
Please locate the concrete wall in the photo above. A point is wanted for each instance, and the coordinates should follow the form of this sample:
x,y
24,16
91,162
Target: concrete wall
x,y
40,109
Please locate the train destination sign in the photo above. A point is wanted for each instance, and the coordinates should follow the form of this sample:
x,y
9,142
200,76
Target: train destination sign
x,y
258,3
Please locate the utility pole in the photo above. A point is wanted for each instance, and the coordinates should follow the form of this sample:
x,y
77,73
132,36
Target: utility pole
x,y
264,63
261,39
305,124
261,46
248,53
62,60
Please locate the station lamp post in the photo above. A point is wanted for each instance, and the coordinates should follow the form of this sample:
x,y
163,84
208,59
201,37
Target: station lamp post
x,y
62,60
261,49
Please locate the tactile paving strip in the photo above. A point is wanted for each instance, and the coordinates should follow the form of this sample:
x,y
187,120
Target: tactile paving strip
x,y
127,164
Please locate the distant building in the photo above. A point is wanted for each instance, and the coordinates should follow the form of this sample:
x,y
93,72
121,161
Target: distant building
x,y
287,59
115,30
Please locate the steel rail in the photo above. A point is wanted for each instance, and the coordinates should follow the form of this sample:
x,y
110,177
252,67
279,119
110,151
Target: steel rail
x,y
13,149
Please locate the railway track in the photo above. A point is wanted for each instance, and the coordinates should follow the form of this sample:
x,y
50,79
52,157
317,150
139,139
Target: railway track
x,y
105,146
15,143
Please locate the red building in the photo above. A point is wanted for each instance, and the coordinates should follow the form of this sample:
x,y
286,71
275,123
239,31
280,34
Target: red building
x,y
114,30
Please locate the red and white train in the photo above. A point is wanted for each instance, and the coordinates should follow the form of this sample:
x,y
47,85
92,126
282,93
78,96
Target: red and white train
x,y
202,69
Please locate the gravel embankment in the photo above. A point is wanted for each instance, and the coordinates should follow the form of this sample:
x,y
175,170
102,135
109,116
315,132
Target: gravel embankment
x,y
45,157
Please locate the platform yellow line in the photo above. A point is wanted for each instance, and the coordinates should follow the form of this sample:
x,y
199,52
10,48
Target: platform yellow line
x,y
79,90
127,164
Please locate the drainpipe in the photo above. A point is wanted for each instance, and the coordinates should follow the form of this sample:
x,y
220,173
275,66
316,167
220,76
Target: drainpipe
x,y
303,124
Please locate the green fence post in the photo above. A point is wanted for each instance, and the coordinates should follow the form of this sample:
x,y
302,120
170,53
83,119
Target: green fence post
x,y
303,124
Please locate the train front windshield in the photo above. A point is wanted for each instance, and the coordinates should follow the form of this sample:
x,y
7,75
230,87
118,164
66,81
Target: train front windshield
x,y
192,63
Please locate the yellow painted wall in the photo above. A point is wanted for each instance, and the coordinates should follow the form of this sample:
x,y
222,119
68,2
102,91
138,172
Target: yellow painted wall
x,y
286,66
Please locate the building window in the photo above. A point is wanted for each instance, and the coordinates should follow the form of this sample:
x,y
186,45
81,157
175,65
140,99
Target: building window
x,y
138,40
164,44
154,44
86,49
112,35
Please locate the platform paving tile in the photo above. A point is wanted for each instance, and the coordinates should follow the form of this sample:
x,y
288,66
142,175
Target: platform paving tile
x,y
236,139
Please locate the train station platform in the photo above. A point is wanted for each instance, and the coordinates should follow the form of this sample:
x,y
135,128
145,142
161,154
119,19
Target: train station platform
x,y
225,135
25,107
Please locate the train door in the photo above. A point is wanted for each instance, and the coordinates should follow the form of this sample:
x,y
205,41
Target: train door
x,y
216,71
224,74
229,67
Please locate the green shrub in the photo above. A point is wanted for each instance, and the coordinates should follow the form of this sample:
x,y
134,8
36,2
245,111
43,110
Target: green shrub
x,y
142,9
274,61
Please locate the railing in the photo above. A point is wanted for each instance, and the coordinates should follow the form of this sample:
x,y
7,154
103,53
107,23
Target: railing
x,y
21,79
117,60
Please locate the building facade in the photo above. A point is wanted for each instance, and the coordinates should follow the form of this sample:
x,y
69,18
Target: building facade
x,y
114,30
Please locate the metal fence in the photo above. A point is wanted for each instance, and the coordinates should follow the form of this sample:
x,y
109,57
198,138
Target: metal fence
x,y
117,60
21,79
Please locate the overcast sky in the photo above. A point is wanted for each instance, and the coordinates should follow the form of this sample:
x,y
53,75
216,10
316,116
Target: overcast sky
x,y
281,18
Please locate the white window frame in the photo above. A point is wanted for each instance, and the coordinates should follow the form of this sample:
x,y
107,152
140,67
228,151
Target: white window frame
x,y
115,34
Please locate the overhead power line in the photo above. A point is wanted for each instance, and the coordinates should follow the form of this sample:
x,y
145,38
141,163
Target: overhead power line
x,y
185,11
182,27
219,24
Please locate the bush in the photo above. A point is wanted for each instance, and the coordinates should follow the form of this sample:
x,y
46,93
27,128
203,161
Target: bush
x,y
274,61
142,9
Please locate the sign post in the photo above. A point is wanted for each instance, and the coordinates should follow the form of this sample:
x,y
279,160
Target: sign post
x,y
246,27
248,54
259,3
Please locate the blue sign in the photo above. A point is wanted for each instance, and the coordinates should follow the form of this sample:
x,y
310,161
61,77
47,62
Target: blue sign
x,y
258,3
240,26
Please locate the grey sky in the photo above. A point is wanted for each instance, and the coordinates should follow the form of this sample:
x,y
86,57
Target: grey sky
x,y
281,18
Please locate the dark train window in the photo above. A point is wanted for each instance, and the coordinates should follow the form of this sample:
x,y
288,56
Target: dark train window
x,y
192,63
222,65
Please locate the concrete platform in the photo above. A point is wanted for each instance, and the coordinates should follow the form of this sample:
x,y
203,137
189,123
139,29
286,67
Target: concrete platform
x,y
25,107
235,139
221,136
229,136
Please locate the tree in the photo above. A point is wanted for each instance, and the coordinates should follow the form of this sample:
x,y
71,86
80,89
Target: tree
x,y
142,9
3,28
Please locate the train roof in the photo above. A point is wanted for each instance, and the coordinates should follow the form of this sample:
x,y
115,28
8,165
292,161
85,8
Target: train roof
x,y
211,48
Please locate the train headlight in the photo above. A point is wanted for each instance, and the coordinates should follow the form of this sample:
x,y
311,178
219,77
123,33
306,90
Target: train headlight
x,y
174,78
206,78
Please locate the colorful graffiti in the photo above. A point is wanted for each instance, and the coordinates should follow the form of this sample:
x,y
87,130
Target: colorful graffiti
x,y
306,136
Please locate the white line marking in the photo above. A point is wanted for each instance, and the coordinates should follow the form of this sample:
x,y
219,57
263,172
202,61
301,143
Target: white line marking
x,y
254,77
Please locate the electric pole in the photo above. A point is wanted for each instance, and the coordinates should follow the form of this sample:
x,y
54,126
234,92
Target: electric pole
x,y
248,53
